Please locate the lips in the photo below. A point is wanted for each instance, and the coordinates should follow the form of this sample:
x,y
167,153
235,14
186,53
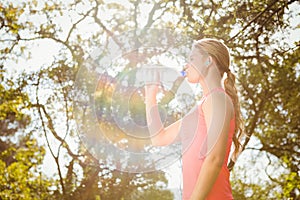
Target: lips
x,y
184,70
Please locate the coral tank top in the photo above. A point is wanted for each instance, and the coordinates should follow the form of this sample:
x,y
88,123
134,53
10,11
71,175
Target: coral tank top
x,y
194,153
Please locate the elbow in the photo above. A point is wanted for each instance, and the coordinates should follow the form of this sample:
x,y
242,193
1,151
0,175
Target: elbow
x,y
216,160
158,139
155,142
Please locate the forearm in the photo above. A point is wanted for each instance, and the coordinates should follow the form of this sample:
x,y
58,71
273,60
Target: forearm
x,y
206,179
155,125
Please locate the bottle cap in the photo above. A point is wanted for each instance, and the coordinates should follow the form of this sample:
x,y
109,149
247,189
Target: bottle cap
x,y
183,73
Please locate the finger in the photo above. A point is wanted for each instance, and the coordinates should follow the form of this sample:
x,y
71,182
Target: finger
x,y
151,74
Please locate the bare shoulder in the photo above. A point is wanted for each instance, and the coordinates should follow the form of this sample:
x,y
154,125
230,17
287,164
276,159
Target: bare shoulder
x,y
218,102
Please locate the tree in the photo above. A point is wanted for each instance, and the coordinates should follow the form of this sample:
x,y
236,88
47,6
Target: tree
x,y
59,78
20,155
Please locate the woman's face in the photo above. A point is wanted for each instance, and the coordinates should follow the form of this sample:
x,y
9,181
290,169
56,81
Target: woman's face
x,y
195,68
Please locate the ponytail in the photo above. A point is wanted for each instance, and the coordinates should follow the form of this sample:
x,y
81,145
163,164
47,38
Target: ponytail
x,y
231,90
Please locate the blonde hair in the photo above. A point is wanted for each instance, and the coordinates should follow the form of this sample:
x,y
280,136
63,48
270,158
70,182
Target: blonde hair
x,y
220,53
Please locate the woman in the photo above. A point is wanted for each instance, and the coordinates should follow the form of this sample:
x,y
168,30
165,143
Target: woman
x,y
219,123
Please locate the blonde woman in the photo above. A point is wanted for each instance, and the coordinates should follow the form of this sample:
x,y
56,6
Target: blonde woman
x,y
219,123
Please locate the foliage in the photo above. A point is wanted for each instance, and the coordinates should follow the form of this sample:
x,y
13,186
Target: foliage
x,y
20,155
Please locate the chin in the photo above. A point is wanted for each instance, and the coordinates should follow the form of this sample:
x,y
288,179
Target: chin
x,y
192,81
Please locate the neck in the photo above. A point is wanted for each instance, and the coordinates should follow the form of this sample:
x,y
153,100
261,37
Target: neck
x,y
210,82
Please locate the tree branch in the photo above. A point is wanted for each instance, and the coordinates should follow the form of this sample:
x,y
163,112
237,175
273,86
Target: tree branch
x,y
210,13
75,24
98,21
276,11
253,20
45,133
67,118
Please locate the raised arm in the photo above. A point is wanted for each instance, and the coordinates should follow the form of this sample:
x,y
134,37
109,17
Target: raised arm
x,y
160,136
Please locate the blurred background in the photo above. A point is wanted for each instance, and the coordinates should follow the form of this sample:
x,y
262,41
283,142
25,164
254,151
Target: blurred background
x,y
43,45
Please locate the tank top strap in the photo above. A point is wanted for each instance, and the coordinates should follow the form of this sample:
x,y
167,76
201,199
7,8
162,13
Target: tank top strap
x,y
218,89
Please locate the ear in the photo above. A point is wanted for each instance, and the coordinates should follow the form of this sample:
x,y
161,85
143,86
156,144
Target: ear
x,y
208,62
